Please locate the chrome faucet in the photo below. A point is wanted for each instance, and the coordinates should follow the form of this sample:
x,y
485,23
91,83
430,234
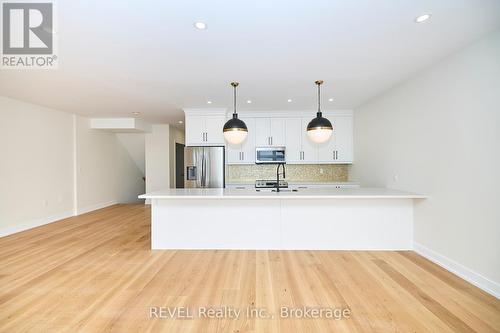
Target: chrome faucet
x,y
278,175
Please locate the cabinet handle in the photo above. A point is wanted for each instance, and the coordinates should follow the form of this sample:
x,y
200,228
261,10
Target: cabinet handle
x,y
206,136
271,141
242,155
336,154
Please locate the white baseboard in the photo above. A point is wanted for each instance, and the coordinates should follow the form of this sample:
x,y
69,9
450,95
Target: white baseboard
x,y
34,223
53,218
491,287
97,206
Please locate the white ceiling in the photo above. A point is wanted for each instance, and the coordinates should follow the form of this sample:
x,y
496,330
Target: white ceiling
x,y
117,56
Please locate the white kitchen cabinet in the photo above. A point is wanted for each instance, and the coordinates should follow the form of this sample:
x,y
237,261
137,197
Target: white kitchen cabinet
x,y
309,148
278,128
262,132
344,139
293,142
339,149
243,153
214,134
269,132
299,148
204,130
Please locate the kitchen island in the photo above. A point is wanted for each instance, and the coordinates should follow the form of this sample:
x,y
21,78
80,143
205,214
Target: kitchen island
x,y
312,219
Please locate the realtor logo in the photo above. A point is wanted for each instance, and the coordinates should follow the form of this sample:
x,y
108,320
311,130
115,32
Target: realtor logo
x,y
28,35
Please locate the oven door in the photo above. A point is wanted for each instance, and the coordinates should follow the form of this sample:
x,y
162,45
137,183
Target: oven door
x,y
269,155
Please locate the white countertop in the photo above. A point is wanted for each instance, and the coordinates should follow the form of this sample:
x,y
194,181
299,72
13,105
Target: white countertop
x,y
220,193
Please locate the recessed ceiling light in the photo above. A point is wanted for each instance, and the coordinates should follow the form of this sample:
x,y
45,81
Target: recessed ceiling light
x,y
136,113
209,102
330,100
289,100
200,25
249,102
422,18
180,121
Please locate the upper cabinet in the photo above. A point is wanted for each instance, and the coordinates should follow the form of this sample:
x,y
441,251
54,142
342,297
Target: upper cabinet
x,y
299,149
288,129
339,149
269,132
204,127
243,153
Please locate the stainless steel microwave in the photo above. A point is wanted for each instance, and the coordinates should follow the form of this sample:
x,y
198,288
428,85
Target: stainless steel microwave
x,y
269,155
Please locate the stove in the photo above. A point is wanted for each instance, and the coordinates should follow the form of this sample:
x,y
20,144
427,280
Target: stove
x,y
262,185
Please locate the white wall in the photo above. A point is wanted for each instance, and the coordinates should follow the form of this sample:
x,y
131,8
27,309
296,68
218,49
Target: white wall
x,y
135,144
106,173
40,181
36,165
439,134
157,158
176,136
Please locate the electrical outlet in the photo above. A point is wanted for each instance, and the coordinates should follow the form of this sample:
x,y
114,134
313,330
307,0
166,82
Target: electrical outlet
x,y
396,178
321,170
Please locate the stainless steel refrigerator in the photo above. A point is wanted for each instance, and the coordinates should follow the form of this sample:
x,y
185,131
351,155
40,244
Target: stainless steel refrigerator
x,y
204,167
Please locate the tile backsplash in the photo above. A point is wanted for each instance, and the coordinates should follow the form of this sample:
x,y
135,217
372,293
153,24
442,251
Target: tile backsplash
x,y
294,172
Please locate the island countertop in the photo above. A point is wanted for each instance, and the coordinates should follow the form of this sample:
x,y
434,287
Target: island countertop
x,y
225,193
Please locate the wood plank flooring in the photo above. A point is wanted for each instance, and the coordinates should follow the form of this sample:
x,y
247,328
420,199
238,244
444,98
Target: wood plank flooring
x,y
95,273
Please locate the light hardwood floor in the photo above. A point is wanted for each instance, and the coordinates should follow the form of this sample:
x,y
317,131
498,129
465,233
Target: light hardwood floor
x,y
95,273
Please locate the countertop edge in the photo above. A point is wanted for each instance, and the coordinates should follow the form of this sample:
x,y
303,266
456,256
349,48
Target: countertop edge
x,y
277,197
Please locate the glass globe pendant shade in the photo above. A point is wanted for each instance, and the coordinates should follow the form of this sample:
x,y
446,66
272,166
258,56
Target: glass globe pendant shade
x,y
235,130
320,129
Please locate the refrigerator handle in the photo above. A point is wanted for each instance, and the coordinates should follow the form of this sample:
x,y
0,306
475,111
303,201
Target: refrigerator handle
x,y
207,166
202,169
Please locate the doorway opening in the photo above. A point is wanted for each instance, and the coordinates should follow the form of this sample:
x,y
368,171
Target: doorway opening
x,y
179,165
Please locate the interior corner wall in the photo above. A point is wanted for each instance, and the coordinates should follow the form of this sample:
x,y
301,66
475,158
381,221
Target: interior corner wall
x,y
157,158
438,134
53,166
105,172
176,136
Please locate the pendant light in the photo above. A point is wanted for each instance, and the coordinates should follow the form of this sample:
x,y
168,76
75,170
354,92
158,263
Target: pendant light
x,y
319,129
235,130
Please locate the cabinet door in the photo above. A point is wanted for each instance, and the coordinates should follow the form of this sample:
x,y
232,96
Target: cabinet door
x,y
195,131
293,140
213,130
327,151
309,148
262,132
344,139
233,154
248,146
277,131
